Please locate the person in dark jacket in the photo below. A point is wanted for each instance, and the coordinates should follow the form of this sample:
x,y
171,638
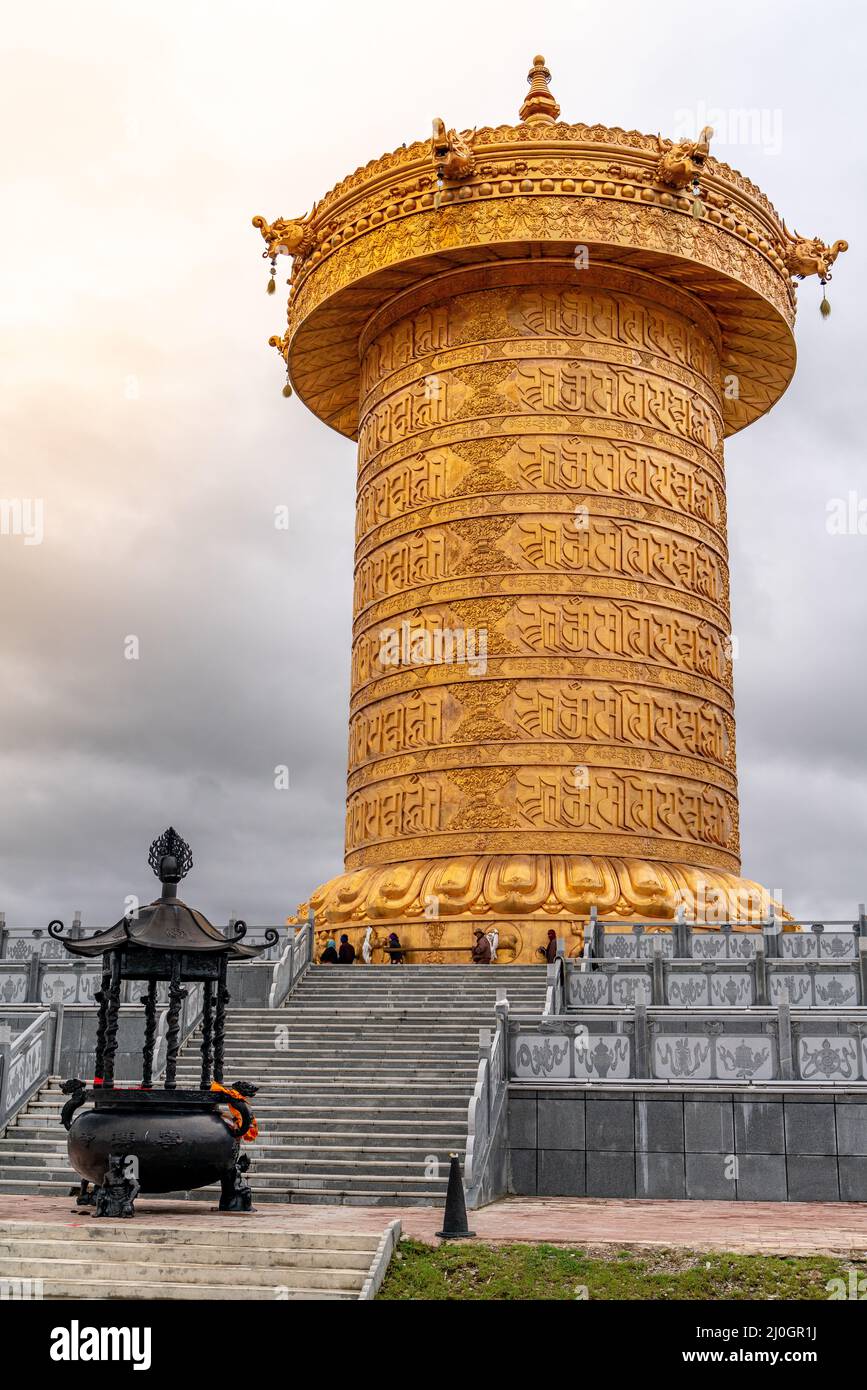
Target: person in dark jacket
x,y
329,955
550,951
346,952
393,948
482,948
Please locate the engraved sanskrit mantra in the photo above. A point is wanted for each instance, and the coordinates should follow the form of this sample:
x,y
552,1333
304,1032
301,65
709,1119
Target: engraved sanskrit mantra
x,y
606,547
630,715
613,802
540,711
621,392
548,464
637,632
539,388
543,465
623,319
587,627
592,315
625,802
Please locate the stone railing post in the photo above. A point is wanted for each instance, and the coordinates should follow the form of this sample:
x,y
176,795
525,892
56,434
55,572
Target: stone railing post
x,y
657,970
485,1056
33,972
680,935
641,1033
862,968
5,1058
771,930
57,1012
597,934
784,1035
761,972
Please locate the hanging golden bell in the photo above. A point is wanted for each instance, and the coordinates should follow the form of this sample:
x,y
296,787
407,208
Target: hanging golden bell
x,y
287,390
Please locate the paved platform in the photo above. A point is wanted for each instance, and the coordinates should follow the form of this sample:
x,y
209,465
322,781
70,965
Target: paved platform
x,y
773,1228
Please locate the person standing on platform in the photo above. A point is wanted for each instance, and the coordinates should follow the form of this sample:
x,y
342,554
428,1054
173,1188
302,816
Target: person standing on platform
x,y
395,953
346,951
329,955
550,951
482,948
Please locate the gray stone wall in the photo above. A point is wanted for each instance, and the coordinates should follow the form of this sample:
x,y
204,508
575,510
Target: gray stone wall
x,y
770,1145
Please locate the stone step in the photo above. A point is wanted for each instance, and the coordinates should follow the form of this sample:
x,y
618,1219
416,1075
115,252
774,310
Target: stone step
x,y
279,1157
384,1196
227,1256
412,1132
255,1237
363,1041
311,1052
77,1290
378,1187
162,1269
369,1086
325,1062
295,1039
276,1115
488,991
460,970
369,1075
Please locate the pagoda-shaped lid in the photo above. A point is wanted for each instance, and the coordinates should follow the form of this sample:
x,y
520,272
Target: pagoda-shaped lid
x,y
167,924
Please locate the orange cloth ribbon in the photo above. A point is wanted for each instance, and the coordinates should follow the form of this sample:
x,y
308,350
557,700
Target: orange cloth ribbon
x,y
253,1131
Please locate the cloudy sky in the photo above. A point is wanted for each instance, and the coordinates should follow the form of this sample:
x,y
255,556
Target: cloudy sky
x,y
140,403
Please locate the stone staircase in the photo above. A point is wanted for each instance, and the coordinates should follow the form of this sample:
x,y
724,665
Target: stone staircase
x,y
133,1260
365,1076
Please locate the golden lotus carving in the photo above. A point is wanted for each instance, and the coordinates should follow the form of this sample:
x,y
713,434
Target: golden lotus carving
x,y
529,334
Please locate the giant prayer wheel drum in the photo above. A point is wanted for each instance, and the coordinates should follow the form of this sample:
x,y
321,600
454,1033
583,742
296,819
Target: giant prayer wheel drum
x,y
540,336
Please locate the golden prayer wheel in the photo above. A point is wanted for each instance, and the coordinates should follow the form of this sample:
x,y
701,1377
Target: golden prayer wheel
x,y
540,336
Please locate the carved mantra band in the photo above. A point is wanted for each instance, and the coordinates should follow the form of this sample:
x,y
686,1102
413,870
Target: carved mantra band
x,y
613,767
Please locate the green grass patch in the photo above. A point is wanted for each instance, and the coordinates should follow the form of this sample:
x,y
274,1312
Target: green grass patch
x,y
475,1270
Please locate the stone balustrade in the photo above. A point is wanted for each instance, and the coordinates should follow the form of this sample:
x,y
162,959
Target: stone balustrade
x,y
730,1046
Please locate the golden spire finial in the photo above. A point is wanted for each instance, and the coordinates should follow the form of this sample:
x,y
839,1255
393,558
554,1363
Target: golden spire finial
x,y
541,106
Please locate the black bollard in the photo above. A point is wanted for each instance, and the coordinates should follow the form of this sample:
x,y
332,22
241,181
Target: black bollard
x,y
455,1219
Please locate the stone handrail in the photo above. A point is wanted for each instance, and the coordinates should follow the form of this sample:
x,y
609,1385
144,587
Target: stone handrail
x,y
555,996
487,1103
291,964
26,1062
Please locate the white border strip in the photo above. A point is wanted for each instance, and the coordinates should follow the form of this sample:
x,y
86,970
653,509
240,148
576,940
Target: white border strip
x,y
381,1260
